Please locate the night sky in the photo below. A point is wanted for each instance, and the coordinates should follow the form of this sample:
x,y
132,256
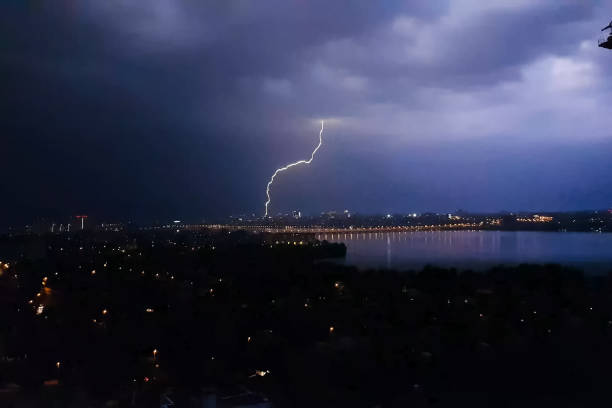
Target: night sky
x,y
166,109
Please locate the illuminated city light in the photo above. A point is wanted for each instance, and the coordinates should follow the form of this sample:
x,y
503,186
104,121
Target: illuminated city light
x,y
535,218
292,165
259,373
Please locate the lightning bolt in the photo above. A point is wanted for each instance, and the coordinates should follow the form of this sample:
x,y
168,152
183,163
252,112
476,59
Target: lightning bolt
x,y
290,165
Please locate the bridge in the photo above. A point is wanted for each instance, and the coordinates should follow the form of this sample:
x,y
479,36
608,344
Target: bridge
x,y
331,230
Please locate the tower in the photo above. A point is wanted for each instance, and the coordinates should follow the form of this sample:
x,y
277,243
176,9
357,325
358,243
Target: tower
x,y
82,218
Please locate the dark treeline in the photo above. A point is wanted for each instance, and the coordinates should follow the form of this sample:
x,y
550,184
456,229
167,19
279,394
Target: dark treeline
x,y
124,319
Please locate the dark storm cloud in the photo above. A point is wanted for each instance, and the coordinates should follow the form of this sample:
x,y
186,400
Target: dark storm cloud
x,y
160,108
472,43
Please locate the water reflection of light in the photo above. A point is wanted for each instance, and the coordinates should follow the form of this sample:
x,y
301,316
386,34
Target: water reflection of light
x,y
388,252
471,248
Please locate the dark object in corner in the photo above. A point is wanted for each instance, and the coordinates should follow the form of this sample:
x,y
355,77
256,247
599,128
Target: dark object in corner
x,y
607,43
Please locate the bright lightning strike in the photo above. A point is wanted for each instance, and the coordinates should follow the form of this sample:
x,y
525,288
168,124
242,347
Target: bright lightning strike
x,y
292,165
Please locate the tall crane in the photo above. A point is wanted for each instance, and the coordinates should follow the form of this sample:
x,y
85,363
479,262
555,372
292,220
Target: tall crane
x,y
607,43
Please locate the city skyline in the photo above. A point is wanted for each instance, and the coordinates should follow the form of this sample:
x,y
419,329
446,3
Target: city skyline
x,y
333,221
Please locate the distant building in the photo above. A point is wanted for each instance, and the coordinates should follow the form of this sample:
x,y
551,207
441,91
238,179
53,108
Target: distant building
x,y
114,227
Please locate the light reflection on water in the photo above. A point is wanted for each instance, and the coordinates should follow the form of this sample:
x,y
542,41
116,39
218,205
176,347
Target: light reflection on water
x,y
475,249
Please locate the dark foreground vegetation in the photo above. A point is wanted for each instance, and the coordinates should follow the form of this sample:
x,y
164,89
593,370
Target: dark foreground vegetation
x,y
142,320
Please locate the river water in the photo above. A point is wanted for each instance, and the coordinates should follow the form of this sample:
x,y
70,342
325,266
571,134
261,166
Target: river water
x,y
591,252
